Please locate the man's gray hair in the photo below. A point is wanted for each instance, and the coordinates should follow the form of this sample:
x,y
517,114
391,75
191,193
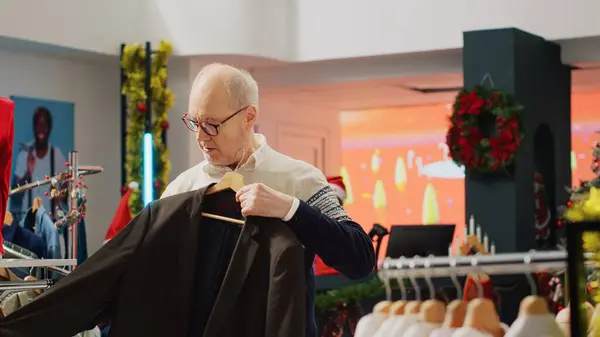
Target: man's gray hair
x,y
241,87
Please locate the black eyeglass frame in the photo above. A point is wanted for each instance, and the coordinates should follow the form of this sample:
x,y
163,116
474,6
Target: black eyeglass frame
x,y
203,125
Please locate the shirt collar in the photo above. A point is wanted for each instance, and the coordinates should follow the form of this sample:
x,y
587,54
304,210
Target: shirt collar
x,y
250,165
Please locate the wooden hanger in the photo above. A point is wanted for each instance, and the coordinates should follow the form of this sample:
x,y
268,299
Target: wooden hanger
x,y
233,181
432,311
32,278
397,308
37,203
412,308
8,218
382,307
481,315
7,275
533,305
455,314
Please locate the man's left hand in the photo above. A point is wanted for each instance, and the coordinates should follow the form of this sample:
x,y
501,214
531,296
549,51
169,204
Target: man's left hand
x,y
261,200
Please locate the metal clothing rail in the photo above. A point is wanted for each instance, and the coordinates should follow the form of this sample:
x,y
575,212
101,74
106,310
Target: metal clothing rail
x,y
509,263
19,258
25,285
83,170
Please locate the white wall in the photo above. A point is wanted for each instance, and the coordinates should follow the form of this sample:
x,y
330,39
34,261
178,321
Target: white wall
x,y
290,30
93,86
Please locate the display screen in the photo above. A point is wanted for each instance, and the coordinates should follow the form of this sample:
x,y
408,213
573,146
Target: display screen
x,y
397,171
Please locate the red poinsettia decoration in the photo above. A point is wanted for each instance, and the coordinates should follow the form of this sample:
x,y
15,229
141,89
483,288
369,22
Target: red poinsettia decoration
x,y
480,146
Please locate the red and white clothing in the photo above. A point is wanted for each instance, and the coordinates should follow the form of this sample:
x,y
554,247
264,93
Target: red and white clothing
x,y
7,130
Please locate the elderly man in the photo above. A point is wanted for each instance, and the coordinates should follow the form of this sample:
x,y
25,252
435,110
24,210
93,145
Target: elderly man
x,y
223,109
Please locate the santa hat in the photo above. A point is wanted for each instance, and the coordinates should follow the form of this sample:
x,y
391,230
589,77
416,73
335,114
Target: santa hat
x,y
338,187
121,219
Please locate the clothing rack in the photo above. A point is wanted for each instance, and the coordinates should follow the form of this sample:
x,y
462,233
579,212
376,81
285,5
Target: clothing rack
x,y
83,170
25,285
21,260
508,263
76,172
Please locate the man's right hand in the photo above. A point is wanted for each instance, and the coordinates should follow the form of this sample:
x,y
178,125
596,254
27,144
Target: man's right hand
x,y
30,164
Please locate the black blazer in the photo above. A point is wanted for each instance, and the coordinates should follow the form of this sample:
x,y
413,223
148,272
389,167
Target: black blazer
x,y
143,280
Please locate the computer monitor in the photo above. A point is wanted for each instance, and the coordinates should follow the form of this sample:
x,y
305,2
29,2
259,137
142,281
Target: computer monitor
x,y
419,240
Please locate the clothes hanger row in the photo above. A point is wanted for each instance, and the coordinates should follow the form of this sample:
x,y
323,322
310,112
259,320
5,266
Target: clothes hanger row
x,y
466,319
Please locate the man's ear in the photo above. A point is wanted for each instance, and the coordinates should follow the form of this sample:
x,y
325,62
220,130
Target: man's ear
x,y
251,114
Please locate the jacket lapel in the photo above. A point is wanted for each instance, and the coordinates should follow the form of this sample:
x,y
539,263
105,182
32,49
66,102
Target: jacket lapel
x,y
187,256
235,277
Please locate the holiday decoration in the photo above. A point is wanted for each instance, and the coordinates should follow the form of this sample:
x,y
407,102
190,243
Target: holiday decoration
x,y
59,191
579,195
134,66
486,129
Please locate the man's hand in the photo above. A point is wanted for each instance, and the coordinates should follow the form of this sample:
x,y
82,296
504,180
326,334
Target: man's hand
x,y
261,200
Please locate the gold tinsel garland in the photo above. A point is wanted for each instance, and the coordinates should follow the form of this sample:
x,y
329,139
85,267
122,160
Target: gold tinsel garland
x,y
134,65
587,208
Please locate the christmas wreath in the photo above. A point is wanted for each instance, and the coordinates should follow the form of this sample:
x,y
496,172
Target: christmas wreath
x,y
486,129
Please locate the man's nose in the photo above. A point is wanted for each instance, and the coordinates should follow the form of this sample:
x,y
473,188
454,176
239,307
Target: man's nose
x,y
202,136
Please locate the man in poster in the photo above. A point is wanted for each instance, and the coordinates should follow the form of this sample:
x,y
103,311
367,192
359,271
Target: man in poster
x,y
36,159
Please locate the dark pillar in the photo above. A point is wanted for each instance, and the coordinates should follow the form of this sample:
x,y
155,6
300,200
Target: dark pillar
x,y
530,68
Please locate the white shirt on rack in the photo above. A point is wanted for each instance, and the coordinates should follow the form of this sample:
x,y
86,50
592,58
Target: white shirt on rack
x,y
470,332
387,326
421,329
534,325
369,324
400,327
443,332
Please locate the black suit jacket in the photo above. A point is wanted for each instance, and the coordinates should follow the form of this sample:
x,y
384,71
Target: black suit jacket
x,y
143,280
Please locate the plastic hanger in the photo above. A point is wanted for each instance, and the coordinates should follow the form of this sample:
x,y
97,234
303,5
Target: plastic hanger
x,y
8,218
533,305
414,307
432,310
399,306
457,309
481,312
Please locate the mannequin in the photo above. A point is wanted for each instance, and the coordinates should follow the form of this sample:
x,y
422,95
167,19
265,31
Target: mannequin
x,y
431,317
369,324
481,320
534,320
455,317
396,315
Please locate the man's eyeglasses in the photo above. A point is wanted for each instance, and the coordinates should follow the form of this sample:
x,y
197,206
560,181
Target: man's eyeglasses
x,y
208,128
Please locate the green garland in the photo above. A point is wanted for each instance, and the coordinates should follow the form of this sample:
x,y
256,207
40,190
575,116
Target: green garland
x,y
349,294
134,66
162,100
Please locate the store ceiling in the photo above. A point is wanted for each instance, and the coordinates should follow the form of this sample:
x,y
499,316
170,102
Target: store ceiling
x,y
393,91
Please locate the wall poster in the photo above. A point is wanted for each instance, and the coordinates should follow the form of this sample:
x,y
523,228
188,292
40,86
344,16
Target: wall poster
x,y
44,136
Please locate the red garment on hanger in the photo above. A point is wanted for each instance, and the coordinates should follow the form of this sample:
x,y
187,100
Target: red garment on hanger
x,y
470,290
121,219
7,132
322,269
